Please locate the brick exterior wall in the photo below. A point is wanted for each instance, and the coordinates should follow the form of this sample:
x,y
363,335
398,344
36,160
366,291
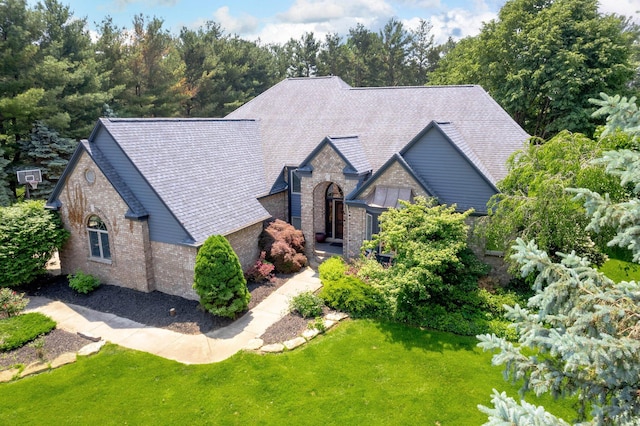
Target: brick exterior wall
x,y
128,239
356,235
173,267
396,177
277,205
327,167
245,244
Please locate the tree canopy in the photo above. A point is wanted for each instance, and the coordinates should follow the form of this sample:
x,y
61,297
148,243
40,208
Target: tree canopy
x,y
543,60
580,334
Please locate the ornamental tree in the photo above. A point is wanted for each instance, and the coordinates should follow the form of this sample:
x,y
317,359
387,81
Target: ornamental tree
x,y
218,278
29,236
579,335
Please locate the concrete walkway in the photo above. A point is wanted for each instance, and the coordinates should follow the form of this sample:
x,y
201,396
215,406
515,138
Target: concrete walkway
x,y
188,349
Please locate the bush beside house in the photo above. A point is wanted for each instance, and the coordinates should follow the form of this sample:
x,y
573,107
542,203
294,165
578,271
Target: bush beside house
x,y
284,246
29,236
218,278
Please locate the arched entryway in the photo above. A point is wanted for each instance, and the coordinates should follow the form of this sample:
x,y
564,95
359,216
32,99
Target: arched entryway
x,y
334,212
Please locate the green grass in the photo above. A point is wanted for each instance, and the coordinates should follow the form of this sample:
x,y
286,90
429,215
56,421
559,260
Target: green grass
x,y
621,270
18,330
361,373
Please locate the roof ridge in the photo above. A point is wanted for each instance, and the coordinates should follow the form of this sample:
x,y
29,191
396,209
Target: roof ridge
x,y
175,119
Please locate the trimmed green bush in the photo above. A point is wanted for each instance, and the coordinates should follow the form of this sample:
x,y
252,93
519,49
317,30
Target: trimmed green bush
x,y
352,295
332,269
11,303
29,236
307,304
218,278
83,283
19,330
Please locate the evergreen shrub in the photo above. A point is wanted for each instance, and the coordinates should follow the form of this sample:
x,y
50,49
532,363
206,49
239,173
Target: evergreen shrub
x,y
218,278
284,246
29,237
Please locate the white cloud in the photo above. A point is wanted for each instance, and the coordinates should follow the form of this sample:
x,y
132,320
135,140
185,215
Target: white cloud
x,y
457,23
305,11
629,8
243,25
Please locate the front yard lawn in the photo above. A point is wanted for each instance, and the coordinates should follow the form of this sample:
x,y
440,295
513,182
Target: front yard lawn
x,y
364,372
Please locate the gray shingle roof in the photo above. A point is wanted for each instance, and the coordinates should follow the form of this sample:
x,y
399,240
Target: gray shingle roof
x,y
351,148
208,172
298,113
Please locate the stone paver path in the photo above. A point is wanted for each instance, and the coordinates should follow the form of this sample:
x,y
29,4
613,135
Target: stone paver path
x,y
188,349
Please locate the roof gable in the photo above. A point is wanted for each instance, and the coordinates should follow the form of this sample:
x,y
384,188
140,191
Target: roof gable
x,y
350,151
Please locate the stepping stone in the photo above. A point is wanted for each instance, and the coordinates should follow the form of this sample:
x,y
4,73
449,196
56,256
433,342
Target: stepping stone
x,y
310,333
8,375
34,368
254,344
273,348
65,358
336,316
91,348
329,323
294,343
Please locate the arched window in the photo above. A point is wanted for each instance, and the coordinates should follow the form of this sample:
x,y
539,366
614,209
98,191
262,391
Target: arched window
x,y
98,238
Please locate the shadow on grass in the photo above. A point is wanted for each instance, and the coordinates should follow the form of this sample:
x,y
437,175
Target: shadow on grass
x,y
430,340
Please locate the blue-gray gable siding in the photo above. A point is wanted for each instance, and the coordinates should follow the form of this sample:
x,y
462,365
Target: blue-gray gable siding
x,y
296,205
163,226
448,173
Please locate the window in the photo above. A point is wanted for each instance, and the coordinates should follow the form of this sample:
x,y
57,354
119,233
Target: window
x,y
295,199
368,230
98,239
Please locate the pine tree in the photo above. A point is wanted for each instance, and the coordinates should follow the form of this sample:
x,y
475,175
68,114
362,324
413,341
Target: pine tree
x,y
580,334
50,153
218,278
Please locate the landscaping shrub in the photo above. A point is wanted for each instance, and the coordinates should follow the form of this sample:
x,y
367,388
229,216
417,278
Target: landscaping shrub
x,y
284,246
11,303
350,294
306,304
83,283
261,270
18,330
332,269
218,278
29,236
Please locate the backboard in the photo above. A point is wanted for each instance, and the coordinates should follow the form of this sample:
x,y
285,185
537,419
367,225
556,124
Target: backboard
x,y
29,176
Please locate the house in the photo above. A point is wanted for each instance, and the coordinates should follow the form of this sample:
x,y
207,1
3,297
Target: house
x,y
141,195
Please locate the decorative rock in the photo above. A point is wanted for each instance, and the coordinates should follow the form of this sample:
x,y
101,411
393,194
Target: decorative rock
x,y
273,348
65,358
310,333
294,343
254,344
336,316
328,324
89,336
8,375
91,348
34,368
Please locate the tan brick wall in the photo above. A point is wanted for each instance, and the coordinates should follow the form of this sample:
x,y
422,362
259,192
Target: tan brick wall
x,y
245,244
128,239
173,267
327,167
396,177
356,232
276,205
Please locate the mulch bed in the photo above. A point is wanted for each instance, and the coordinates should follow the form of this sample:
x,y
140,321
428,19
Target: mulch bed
x,y
56,343
152,308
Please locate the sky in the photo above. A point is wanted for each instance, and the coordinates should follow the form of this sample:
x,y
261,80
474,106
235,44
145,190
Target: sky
x,y
276,21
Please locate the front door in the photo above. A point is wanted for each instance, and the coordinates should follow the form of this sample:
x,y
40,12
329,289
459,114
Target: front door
x,y
334,212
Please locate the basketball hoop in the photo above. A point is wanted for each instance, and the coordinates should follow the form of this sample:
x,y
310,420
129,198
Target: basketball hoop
x,y
30,179
33,183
